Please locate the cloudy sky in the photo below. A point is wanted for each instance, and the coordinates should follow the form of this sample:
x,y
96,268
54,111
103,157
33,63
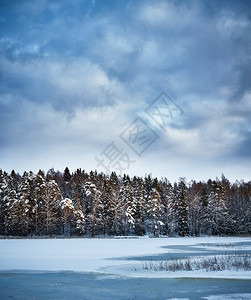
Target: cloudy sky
x,y
80,81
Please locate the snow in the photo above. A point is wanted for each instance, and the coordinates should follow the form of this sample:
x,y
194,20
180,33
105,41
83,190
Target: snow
x,y
110,255
242,296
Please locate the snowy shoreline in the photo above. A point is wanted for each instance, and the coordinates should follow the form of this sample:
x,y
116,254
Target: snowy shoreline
x,y
108,237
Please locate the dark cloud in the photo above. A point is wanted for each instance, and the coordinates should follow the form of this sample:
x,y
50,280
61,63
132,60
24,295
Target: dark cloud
x,y
243,151
67,59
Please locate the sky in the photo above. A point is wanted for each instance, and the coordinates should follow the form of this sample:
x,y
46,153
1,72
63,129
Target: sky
x,y
139,87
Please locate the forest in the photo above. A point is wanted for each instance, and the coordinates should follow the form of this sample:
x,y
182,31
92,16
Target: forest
x,y
95,204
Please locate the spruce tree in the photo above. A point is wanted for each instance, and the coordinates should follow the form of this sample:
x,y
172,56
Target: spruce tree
x,y
52,207
94,208
138,193
217,209
24,204
3,193
67,215
128,205
12,213
182,228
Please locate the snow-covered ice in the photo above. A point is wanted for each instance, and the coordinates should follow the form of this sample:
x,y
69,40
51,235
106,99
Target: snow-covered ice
x,y
229,297
115,256
97,269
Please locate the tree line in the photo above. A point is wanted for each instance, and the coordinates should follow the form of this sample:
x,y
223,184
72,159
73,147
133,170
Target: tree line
x,y
95,204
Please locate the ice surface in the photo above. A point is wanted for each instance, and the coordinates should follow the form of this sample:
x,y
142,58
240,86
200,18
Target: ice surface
x,y
68,269
94,286
115,256
229,297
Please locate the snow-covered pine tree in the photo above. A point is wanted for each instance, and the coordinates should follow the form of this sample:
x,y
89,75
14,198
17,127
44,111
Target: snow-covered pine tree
x,y
217,209
239,204
182,201
94,208
148,184
138,194
78,222
164,194
24,204
173,210
170,214
195,218
33,204
78,194
115,206
128,205
67,215
11,209
155,209
16,179
246,202
39,207
204,215
225,187
66,184
3,193
108,208
52,207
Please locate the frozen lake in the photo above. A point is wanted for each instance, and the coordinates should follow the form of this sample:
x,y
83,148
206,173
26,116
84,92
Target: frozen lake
x,y
73,285
112,269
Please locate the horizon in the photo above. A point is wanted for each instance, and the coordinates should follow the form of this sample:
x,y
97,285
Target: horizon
x,y
162,178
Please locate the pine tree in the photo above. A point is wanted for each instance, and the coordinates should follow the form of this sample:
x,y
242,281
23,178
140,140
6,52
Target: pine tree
x,y
78,195
67,215
16,179
66,184
164,190
79,217
24,205
108,209
79,222
155,209
173,211
3,193
115,206
204,217
217,209
67,175
138,193
11,210
31,180
95,208
52,207
182,226
99,204
39,213
128,205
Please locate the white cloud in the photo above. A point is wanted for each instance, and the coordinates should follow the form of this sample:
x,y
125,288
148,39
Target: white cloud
x,y
159,13
229,21
65,83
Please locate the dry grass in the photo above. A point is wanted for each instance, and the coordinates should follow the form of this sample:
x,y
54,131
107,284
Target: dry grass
x,y
237,261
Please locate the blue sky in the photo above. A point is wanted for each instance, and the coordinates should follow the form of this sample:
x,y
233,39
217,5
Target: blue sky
x,y
75,74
